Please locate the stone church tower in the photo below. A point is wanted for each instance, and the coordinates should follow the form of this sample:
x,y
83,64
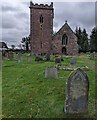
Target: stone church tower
x,y
64,42
41,28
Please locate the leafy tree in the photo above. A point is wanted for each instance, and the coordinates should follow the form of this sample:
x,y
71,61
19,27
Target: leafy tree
x,y
93,40
12,46
3,44
26,41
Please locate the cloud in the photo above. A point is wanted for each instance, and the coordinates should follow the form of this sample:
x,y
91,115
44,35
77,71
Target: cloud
x,y
8,8
77,14
16,18
15,23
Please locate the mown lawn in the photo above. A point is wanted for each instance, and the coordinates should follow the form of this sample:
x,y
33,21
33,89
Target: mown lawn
x,y
26,93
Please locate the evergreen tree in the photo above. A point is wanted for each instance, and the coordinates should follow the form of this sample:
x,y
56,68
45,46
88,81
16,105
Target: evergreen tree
x,y
79,36
82,40
85,44
93,40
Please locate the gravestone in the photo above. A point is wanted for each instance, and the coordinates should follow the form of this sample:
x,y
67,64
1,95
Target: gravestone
x,y
92,56
29,60
19,58
10,55
51,72
58,60
73,60
77,91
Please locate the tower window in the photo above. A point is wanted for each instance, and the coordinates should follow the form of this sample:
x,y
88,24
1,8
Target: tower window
x,y
64,39
41,27
41,19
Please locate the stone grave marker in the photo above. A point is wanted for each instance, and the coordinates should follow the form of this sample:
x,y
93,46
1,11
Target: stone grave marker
x,y
77,91
10,55
51,72
29,60
19,58
73,60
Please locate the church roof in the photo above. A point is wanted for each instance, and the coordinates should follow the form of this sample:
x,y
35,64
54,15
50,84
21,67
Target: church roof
x,y
63,27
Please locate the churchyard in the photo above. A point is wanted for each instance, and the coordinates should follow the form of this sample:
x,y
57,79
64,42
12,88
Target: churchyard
x,y
28,92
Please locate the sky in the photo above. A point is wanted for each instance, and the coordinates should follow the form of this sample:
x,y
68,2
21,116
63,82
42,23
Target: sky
x,y
15,22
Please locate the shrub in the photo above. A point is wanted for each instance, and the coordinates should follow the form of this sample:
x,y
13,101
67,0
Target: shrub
x,y
47,57
38,58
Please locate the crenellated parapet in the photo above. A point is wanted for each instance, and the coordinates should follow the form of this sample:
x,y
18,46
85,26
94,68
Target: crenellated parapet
x,y
41,6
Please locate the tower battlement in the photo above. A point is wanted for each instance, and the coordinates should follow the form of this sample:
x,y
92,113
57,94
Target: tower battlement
x,y
41,6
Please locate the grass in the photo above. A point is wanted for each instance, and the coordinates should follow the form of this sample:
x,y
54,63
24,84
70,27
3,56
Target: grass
x,y
26,93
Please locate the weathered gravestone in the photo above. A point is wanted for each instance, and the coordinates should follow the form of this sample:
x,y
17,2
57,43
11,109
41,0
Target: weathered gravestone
x,y
51,72
77,90
10,55
73,60
29,60
19,58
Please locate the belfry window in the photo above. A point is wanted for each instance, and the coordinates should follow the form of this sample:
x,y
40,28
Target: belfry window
x,y
41,19
64,39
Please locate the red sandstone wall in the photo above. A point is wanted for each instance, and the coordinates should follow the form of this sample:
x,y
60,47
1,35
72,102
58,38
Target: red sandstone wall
x,y
71,47
41,38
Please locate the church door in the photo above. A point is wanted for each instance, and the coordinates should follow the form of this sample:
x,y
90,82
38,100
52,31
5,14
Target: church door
x,y
64,51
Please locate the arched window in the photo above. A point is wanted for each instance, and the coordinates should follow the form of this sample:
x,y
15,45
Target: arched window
x,y
41,19
64,39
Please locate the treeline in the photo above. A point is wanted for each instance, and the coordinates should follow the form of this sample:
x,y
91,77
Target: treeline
x,y
86,43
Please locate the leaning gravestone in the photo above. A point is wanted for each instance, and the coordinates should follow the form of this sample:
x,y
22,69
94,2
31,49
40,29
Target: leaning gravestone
x,y
77,91
51,72
73,60
19,58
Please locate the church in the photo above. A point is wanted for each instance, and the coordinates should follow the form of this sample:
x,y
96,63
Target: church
x,y
43,41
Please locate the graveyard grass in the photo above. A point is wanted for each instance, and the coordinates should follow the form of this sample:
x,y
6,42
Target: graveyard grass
x,y
26,93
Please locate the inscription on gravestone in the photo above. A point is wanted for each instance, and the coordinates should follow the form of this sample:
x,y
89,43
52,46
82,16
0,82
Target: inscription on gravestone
x,y
77,90
51,72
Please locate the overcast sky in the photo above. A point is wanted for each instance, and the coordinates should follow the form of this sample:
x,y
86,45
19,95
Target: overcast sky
x,y
15,18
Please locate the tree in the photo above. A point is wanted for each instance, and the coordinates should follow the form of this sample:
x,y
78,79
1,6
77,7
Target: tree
x,y
3,45
79,36
85,43
93,40
12,46
26,41
82,40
